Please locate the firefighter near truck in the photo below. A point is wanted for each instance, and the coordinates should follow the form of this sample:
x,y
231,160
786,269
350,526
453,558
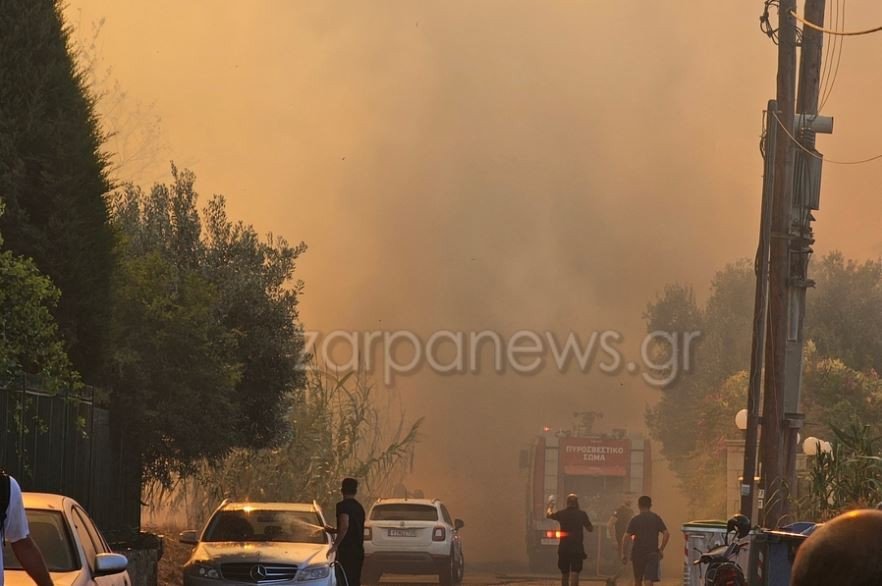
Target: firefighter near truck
x,y
603,470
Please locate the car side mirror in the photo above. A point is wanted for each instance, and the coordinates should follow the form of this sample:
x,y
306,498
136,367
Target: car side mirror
x,y
458,524
189,536
110,563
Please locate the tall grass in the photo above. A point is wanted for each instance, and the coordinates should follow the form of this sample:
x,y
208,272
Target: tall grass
x,y
337,427
849,477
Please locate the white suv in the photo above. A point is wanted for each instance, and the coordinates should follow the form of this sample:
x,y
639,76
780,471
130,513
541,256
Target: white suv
x,y
412,536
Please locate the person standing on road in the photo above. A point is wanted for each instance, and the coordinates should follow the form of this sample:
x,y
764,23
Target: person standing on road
x,y
646,555
618,522
570,551
15,532
349,541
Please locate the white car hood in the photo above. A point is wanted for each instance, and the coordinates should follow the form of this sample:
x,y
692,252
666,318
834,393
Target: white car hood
x,y
266,552
21,578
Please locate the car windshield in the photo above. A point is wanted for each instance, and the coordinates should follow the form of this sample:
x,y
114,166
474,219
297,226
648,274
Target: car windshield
x,y
50,532
404,512
266,525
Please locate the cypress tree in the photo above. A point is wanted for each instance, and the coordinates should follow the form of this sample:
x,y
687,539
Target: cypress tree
x,y
53,175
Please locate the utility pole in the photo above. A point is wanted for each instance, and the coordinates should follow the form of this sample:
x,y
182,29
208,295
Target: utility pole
x,y
760,305
806,196
773,430
796,194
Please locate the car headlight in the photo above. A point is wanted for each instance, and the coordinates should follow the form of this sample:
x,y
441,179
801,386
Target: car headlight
x,y
313,573
203,570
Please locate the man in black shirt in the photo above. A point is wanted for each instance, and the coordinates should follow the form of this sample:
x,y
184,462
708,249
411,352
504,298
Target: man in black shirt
x,y
646,554
570,552
349,542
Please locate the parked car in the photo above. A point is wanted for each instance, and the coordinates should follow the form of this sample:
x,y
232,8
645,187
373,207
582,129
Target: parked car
x,y
261,543
412,536
75,551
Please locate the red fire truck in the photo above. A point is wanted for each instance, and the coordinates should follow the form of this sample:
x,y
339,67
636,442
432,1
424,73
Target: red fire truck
x,y
601,468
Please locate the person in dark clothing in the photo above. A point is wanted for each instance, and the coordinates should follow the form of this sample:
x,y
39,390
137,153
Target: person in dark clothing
x,y
646,554
349,541
570,551
618,522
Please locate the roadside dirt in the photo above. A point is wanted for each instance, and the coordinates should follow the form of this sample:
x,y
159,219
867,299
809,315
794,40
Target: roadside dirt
x,y
174,555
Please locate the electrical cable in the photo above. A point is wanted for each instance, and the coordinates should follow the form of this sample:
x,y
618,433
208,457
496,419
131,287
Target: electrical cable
x,y
816,155
826,95
832,32
829,52
766,24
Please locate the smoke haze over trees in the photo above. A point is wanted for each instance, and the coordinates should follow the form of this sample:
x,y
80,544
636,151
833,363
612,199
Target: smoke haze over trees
x,y
840,384
514,165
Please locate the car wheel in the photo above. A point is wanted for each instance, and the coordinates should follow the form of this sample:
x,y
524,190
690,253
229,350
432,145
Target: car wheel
x,y
447,571
459,570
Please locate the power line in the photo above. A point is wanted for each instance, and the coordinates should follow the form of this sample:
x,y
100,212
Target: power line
x,y
816,155
829,52
828,91
766,24
832,32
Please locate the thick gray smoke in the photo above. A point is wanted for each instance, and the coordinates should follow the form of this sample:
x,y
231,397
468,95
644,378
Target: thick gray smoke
x,y
488,165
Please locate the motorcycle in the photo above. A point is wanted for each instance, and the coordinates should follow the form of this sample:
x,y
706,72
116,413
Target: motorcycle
x,y
722,562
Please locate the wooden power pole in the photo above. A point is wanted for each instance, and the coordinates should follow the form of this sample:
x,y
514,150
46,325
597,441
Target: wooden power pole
x,y
760,308
772,449
806,195
796,193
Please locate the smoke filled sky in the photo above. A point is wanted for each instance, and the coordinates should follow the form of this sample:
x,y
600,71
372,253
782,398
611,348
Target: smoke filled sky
x,y
489,164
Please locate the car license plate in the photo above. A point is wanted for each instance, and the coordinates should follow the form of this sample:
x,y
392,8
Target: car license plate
x,y
402,532
547,541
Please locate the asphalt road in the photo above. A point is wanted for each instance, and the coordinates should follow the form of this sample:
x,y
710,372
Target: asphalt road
x,y
501,579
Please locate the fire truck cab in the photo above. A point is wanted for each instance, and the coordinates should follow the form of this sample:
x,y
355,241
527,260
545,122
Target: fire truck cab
x,y
602,469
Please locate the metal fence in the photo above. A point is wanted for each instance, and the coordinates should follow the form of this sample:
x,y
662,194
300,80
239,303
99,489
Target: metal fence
x,y
62,443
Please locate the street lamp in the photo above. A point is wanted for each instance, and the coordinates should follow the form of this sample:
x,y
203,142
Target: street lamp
x,y
812,446
741,420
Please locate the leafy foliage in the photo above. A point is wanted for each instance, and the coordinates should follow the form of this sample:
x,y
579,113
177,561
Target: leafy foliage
x,y
834,394
843,316
849,477
174,372
29,338
256,303
681,420
840,383
53,175
206,332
